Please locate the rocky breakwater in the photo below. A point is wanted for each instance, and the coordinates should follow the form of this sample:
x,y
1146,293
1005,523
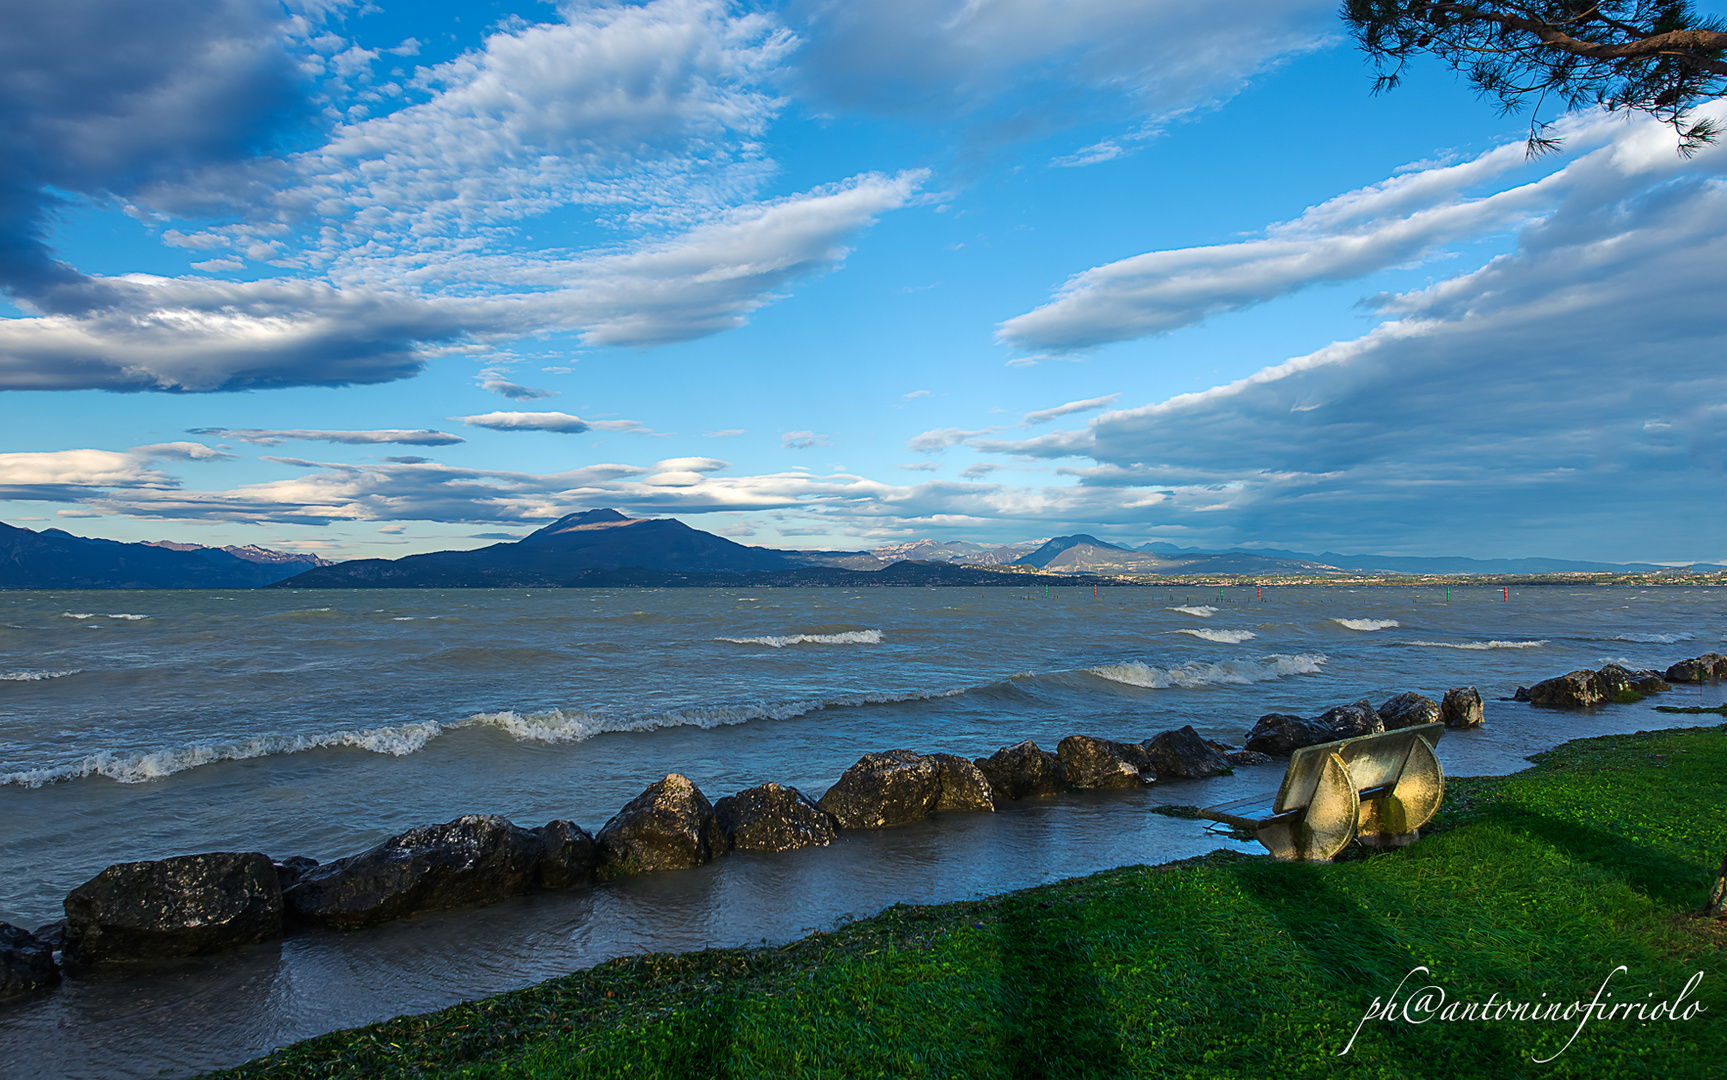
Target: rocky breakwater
x,y
670,826
1583,688
897,787
1281,734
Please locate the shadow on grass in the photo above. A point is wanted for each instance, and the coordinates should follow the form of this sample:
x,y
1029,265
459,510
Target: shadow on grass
x,y
1058,1021
1666,880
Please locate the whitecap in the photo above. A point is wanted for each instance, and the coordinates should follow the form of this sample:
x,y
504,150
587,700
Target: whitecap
x,y
78,614
1655,639
1202,610
1222,637
138,767
850,637
1475,646
1196,673
1367,624
35,676
129,618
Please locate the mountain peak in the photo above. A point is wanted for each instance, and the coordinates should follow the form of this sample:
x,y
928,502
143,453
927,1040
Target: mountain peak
x,y
604,518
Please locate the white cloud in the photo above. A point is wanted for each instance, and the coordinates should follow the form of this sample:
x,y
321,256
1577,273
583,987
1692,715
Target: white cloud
x,y
938,439
802,440
1041,416
1392,222
978,59
197,335
1574,382
527,421
64,475
498,384
275,437
725,434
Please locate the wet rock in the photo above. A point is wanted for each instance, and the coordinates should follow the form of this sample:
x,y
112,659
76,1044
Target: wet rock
x,y
568,855
1185,755
1461,707
1022,771
1350,721
473,860
1239,758
890,788
290,870
54,934
27,965
1520,694
1698,669
669,826
1281,734
963,785
1407,710
1573,690
184,906
1648,681
1092,763
1616,681
769,817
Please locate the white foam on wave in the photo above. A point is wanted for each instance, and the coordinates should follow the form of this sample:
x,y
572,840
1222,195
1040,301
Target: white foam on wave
x,y
35,676
136,768
551,726
92,615
1222,637
1367,624
850,637
1228,673
1655,639
1202,610
1475,646
568,725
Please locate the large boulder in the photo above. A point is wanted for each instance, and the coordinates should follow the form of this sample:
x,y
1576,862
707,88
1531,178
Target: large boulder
x,y
184,906
568,855
963,785
669,826
1461,707
1648,681
1698,669
894,787
1185,754
769,817
1616,681
1573,690
1022,771
473,860
26,964
1090,763
1281,734
1408,710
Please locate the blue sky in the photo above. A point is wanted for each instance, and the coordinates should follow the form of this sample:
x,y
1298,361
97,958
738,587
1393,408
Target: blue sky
x,y
376,279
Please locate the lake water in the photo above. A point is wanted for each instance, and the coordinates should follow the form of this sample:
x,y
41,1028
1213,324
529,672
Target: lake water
x,y
137,725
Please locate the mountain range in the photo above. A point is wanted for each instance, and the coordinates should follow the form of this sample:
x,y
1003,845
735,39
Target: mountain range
x,y
55,559
605,547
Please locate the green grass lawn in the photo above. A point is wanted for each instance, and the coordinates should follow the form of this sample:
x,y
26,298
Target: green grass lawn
x,y
1533,887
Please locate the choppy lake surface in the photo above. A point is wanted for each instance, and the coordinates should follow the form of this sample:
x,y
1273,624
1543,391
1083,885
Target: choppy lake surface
x,y
138,725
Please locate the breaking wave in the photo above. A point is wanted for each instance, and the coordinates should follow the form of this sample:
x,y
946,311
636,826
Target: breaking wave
x,y
850,637
95,615
1475,646
551,726
1196,673
136,768
1223,637
36,676
1655,639
1201,610
1367,624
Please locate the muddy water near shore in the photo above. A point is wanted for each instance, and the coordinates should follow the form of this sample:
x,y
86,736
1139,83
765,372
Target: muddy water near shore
x,y
139,725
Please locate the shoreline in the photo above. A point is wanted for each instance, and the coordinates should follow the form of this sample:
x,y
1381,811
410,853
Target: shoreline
x,y
703,1010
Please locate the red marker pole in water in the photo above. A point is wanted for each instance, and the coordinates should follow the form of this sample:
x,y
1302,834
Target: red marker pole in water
x,y
1508,594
